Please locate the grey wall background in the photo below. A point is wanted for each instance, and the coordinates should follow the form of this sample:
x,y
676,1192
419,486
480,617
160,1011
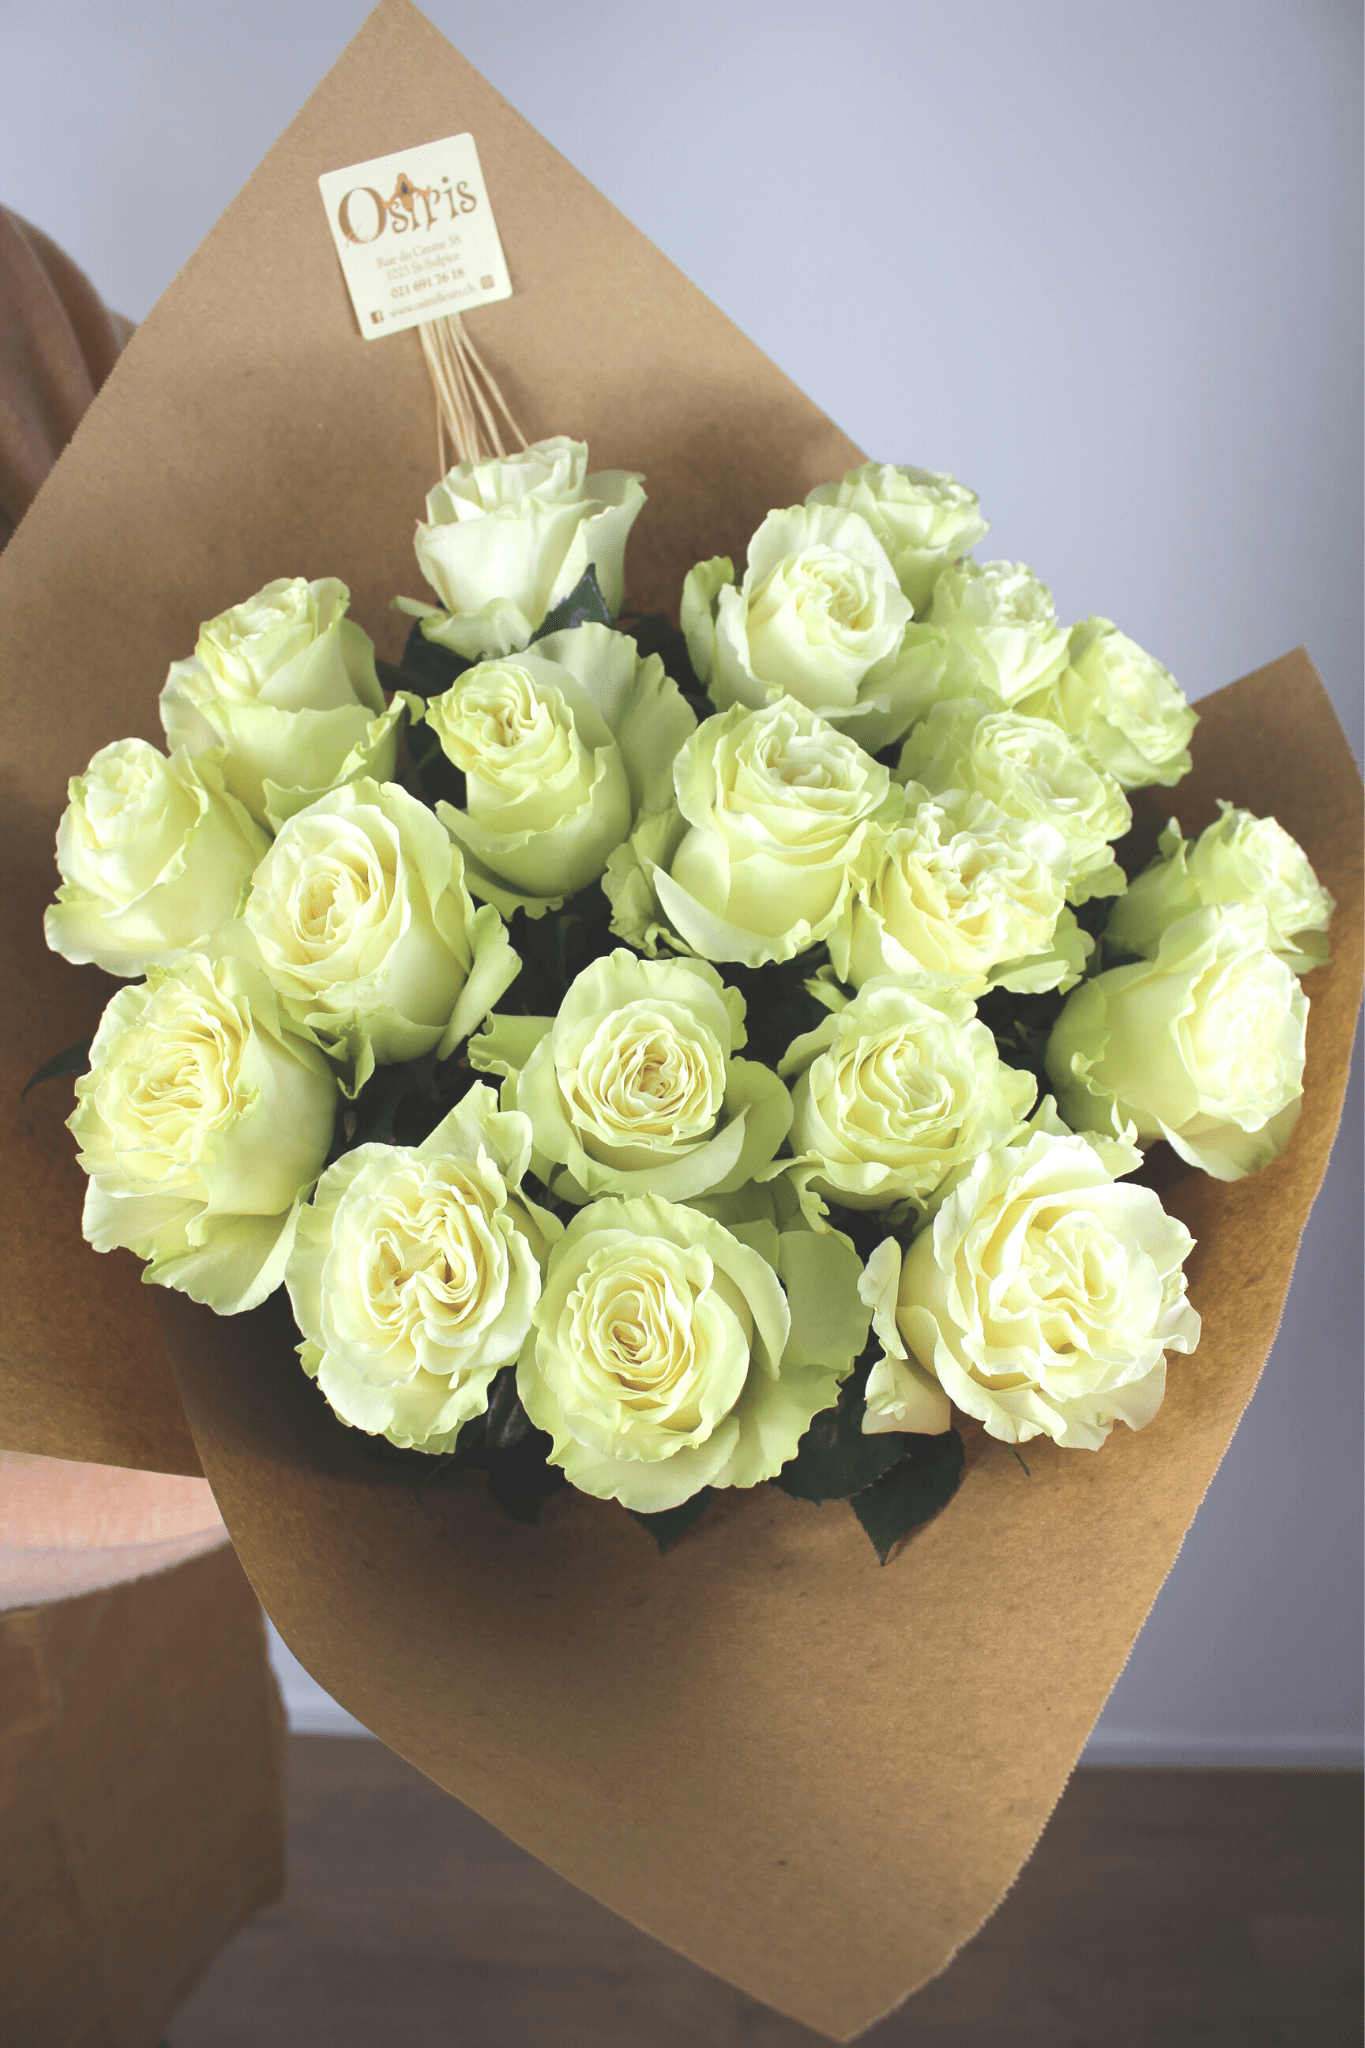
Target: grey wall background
x,y
1102,262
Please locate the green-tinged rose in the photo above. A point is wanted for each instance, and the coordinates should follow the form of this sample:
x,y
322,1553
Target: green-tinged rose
x,y
1029,769
1241,859
672,1354
900,1394
1202,1045
1124,708
154,856
1045,1294
994,627
286,685
963,894
754,863
508,539
202,1122
819,617
361,919
564,750
634,1088
414,1274
897,1093
924,519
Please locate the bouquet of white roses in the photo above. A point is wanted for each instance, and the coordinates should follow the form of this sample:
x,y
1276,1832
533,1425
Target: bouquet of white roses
x,y
595,1026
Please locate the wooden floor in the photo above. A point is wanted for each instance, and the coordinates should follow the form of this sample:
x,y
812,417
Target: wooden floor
x,y
1163,1907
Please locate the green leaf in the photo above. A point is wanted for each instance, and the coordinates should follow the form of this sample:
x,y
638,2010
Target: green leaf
x,y
834,1460
520,1480
74,1060
425,668
584,606
912,1491
506,1422
669,1524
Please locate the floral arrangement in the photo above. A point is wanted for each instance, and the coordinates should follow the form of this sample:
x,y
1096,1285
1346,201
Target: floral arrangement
x,y
663,1060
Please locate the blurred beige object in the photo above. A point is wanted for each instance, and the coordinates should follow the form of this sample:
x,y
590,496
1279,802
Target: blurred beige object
x,y
141,1731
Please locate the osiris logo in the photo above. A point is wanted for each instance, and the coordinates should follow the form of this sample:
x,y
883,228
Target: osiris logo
x,y
363,213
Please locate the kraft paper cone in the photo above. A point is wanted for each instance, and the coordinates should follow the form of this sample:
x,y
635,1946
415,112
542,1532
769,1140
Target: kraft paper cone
x,y
813,1776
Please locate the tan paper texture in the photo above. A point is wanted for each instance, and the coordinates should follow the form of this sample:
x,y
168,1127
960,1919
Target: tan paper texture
x,y
813,1776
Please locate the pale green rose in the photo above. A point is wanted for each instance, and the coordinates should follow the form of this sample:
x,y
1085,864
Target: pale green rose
x,y
362,921
895,1094
962,894
1202,1045
154,856
508,539
672,1354
1124,708
203,1121
900,1394
819,617
754,864
414,1274
924,518
1045,1295
1241,859
1030,770
994,626
563,749
286,685
633,1088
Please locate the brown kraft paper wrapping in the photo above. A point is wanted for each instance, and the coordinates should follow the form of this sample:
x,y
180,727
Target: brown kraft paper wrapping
x,y
813,1776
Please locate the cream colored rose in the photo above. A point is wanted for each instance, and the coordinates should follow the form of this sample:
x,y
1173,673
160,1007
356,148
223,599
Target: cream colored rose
x,y
1045,1294
286,685
362,921
819,617
900,1394
154,856
994,627
1124,708
670,1355
896,1093
962,893
755,863
563,749
634,1087
925,519
1202,1045
1030,770
508,539
414,1274
203,1120
1241,859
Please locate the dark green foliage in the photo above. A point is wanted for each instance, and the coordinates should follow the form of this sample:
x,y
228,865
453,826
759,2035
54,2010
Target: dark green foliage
x,y
74,1060
584,606
912,1491
425,669
834,1460
670,1523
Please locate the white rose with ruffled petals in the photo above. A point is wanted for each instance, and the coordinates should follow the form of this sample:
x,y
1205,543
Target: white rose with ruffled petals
x,y
1121,705
414,1273
508,539
924,518
993,627
154,856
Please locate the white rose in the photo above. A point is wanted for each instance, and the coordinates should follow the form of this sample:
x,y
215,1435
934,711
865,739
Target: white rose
x,y
1045,1294
962,893
1241,859
995,628
669,1355
286,685
633,1088
154,856
1203,1045
362,921
819,617
414,1274
896,1093
508,539
1124,708
1030,770
202,1121
563,750
924,518
754,864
